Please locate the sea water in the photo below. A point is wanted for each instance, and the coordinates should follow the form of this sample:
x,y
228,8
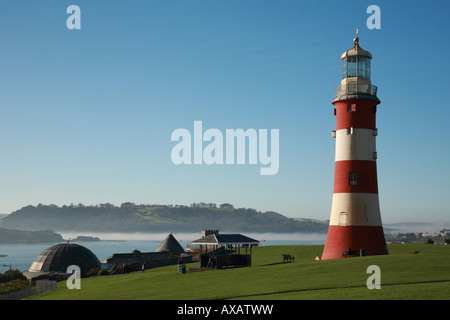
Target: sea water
x,y
21,256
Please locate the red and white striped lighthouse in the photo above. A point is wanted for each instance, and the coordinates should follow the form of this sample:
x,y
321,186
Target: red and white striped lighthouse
x,y
355,223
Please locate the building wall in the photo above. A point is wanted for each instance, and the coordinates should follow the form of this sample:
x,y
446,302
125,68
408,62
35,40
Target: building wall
x,y
151,259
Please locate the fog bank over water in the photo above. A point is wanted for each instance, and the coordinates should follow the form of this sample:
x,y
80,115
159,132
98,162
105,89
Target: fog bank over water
x,y
288,236
402,227
415,227
183,236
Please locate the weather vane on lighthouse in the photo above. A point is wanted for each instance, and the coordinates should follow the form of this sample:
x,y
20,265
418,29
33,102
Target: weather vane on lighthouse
x,y
355,227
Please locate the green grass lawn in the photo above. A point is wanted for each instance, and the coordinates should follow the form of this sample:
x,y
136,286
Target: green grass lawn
x,y
403,276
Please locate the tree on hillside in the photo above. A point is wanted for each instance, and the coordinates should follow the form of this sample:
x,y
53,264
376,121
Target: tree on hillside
x,y
226,206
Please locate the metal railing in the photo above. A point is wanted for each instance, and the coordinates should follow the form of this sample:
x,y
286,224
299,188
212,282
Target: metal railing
x,y
40,287
353,88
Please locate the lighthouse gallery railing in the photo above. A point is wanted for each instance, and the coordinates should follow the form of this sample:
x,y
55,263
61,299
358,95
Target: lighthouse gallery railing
x,y
353,88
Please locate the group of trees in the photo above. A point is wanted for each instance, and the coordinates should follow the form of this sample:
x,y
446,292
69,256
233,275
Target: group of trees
x,y
212,205
129,205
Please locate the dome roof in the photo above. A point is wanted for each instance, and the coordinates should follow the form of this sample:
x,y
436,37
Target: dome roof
x,y
58,257
170,244
356,51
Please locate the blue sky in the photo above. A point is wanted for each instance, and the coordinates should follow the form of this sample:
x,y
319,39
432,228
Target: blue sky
x,y
86,115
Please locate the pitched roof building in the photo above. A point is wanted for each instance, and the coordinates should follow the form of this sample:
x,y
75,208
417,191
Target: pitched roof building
x,y
171,245
168,253
214,238
222,250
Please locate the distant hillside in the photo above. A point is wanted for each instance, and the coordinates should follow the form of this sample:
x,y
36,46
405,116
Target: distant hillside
x,y
20,236
130,217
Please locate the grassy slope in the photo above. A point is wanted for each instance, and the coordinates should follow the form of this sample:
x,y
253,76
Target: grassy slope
x,y
403,276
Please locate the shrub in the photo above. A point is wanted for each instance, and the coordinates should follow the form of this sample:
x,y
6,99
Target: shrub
x,y
92,272
16,284
104,272
11,275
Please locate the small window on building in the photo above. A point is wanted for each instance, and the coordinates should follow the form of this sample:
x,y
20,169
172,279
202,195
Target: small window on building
x,y
350,130
353,177
351,108
343,219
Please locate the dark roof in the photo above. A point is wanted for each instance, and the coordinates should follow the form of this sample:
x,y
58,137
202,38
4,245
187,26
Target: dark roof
x,y
170,244
58,257
226,239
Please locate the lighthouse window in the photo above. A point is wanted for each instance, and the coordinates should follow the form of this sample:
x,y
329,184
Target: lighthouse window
x,y
351,67
356,66
351,108
353,176
344,68
364,67
343,219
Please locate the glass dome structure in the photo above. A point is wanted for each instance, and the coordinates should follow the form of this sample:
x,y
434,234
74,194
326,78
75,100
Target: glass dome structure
x,y
58,257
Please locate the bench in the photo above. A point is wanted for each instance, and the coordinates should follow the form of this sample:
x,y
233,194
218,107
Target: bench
x,y
350,253
287,257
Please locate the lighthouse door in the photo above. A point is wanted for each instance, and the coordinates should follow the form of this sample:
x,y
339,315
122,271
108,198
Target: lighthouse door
x,y
343,219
